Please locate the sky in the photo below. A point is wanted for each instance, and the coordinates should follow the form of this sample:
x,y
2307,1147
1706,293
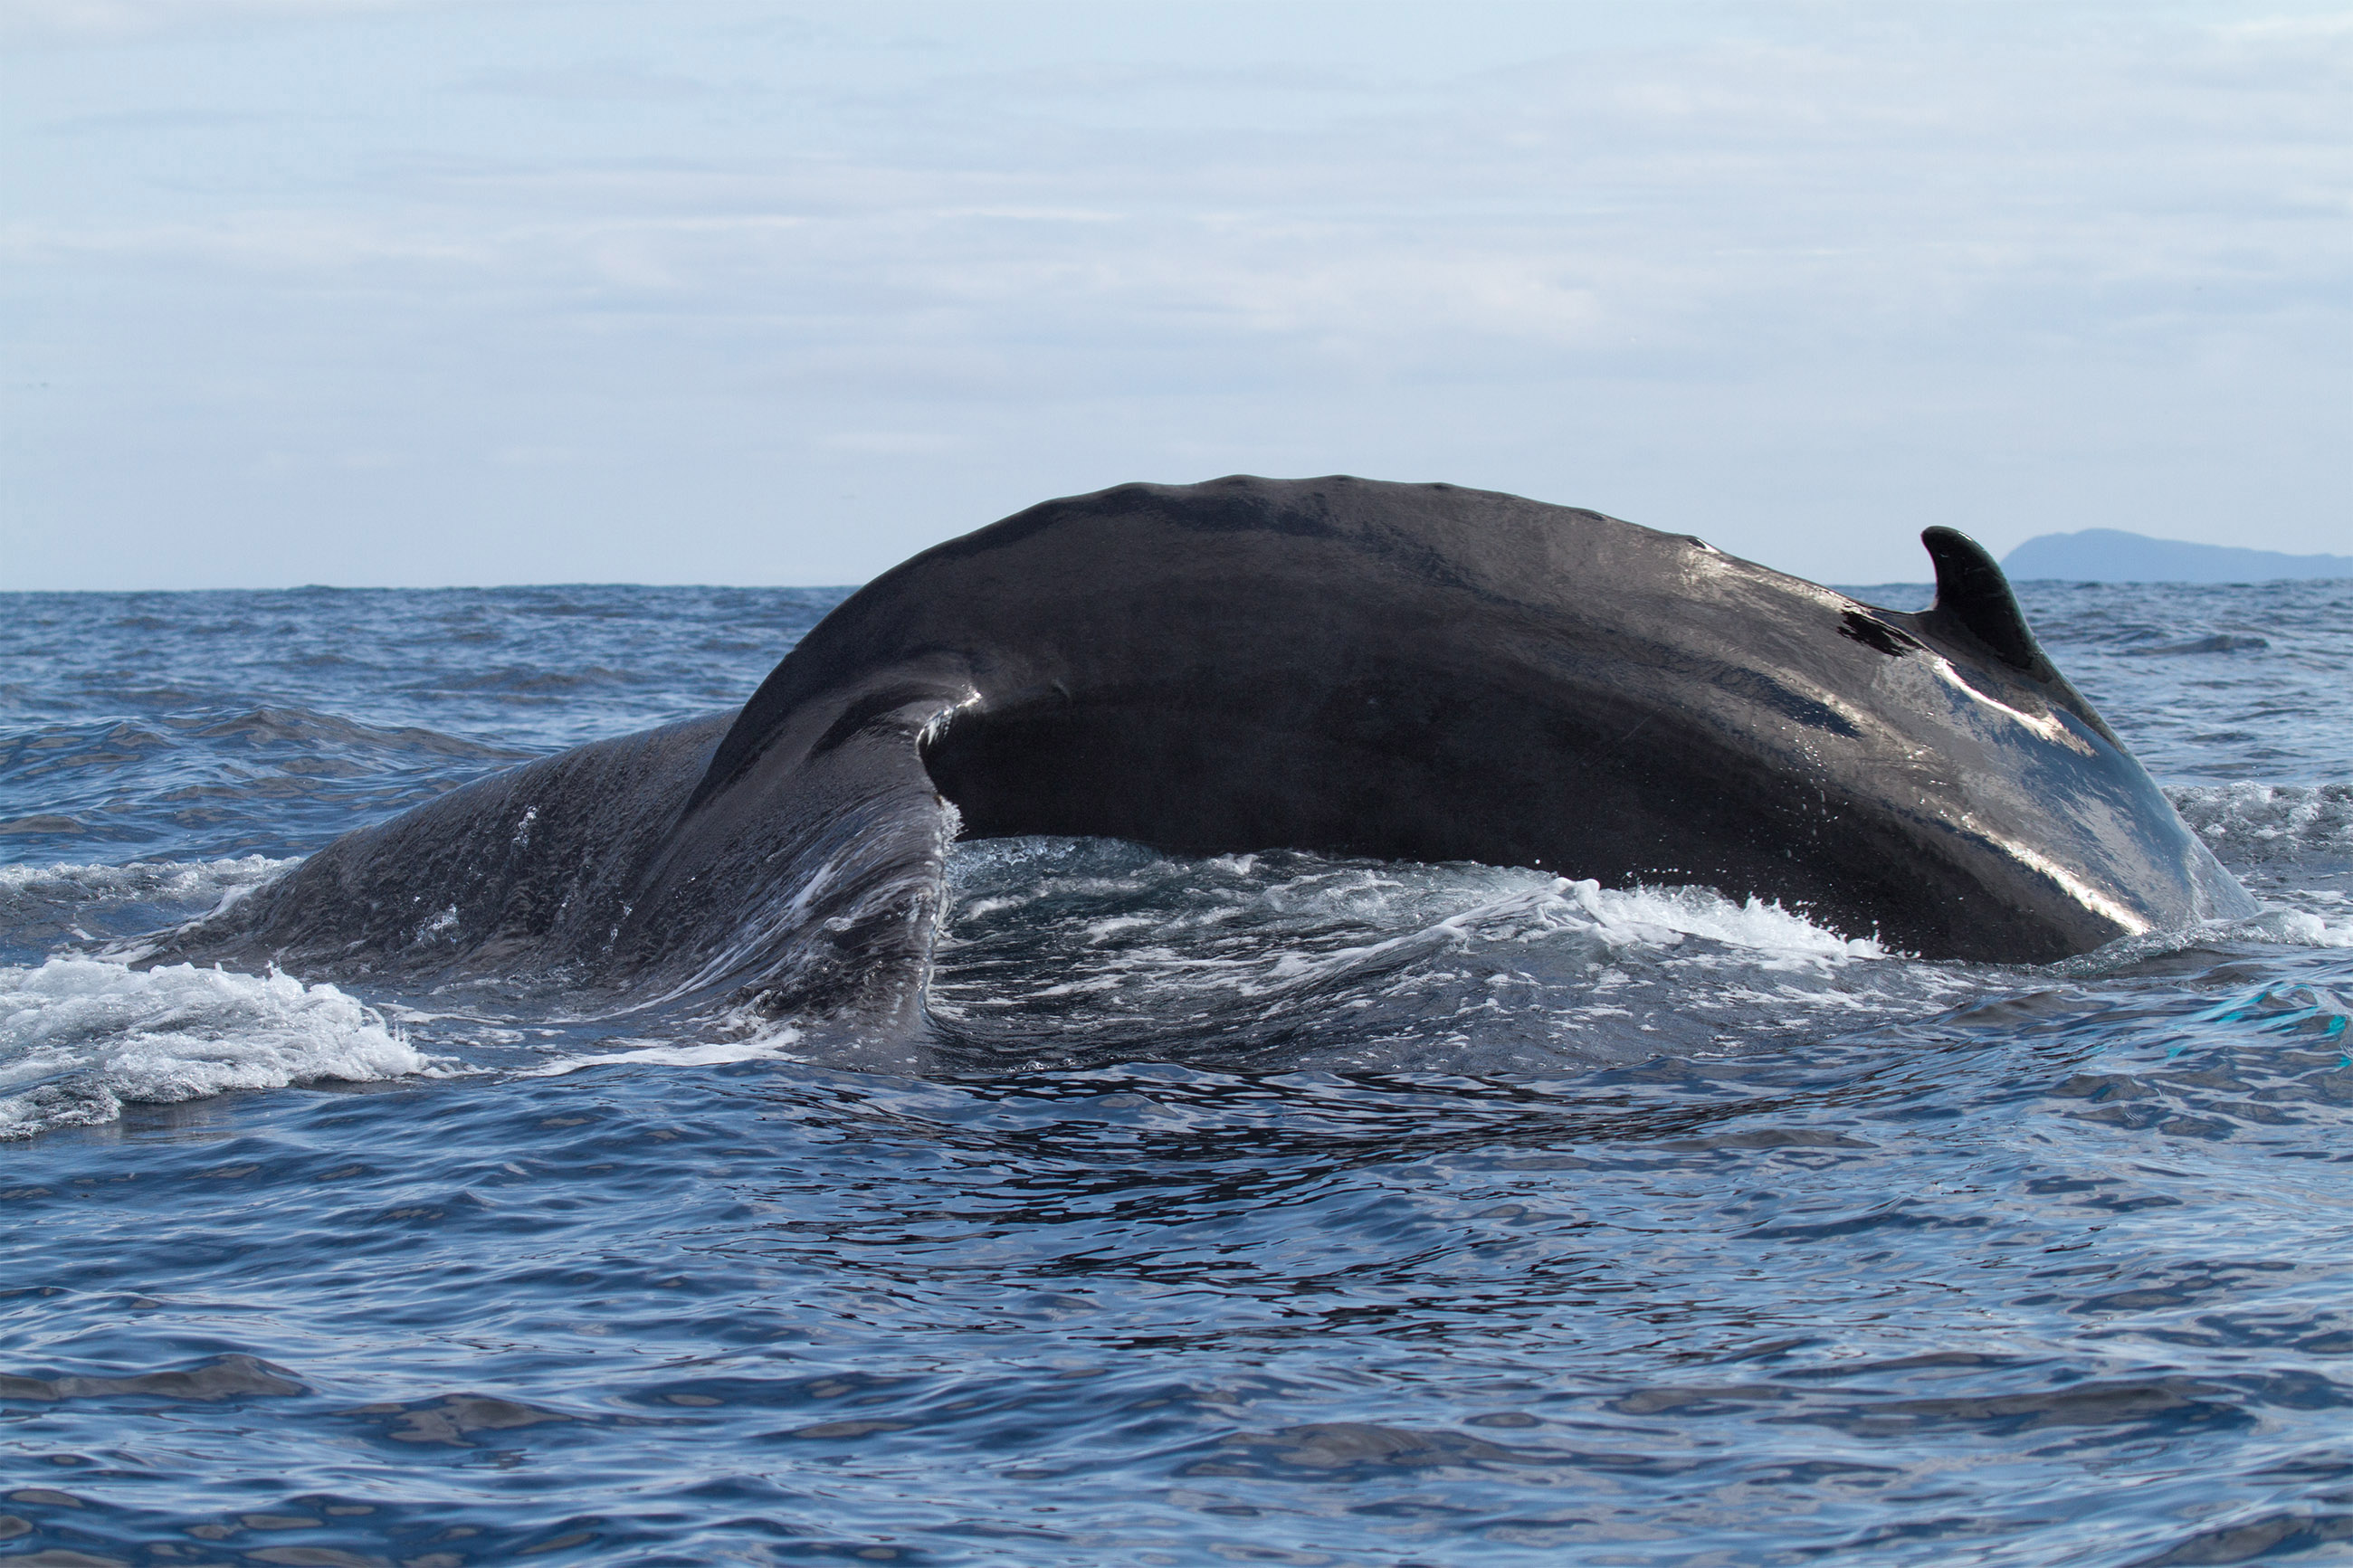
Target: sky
x,y
421,292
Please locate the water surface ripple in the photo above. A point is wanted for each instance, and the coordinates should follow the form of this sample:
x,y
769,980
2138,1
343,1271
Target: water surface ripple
x,y
1265,1208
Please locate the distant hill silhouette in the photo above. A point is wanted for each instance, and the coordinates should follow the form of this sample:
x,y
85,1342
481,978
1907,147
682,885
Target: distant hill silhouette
x,y
2112,555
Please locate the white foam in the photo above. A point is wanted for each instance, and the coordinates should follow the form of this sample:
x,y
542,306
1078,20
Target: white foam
x,y
179,880
2298,927
1753,923
42,906
772,1046
1096,945
79,1038
2259,822
1652,919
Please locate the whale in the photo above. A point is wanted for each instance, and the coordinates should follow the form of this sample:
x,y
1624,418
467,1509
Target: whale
x,y
1354,667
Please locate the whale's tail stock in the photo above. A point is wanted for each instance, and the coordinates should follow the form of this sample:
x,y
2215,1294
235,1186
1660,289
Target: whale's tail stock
x,y
809,896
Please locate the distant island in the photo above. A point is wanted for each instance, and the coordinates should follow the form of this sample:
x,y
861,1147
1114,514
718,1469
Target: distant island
x,y
2112,555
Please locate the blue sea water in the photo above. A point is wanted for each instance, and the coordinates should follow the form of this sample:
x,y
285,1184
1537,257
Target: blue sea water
x,y
1288,1210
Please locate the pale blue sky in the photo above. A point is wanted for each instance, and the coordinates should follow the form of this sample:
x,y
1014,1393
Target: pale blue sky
x,y
713,290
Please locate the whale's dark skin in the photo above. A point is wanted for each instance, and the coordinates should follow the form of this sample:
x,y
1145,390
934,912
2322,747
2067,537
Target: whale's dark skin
x,y
1404,671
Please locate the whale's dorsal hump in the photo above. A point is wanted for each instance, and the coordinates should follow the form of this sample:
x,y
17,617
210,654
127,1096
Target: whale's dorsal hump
x,y
1971,591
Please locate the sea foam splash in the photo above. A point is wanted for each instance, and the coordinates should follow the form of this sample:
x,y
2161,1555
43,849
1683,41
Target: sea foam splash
x,y
1092,950
773,1043
2329,923
80,1037
2257,824
45,907
178,881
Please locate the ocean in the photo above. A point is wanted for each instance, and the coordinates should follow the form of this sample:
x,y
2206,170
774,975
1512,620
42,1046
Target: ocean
x,y
1275,1208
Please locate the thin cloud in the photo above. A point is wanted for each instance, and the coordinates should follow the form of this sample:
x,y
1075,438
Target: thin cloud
x,y
609,81
1800,292
88,22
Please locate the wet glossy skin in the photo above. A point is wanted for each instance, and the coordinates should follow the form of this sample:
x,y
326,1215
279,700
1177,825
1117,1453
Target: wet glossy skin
x,y
1406,671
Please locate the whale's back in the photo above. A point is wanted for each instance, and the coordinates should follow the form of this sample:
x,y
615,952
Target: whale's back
x,y
1414,672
